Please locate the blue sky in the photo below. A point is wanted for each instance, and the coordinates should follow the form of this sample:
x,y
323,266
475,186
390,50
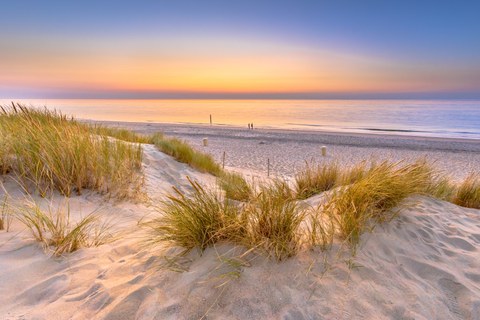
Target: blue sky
x,y
317,49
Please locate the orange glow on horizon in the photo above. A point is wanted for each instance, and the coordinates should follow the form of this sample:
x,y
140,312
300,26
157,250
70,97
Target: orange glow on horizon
x,y
272,68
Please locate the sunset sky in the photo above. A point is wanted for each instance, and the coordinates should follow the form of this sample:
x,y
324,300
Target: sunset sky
x,y
240,49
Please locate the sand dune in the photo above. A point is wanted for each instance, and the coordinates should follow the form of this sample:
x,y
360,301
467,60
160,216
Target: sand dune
x,y
423,265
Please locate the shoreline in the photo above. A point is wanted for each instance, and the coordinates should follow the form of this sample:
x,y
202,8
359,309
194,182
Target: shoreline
x,y
288,150
394,134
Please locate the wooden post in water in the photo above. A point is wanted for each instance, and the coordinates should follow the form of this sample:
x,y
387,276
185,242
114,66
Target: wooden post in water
x,y
268,167
324,151
223,160
210,119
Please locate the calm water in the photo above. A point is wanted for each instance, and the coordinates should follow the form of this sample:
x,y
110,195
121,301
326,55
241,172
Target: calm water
x,y
441,118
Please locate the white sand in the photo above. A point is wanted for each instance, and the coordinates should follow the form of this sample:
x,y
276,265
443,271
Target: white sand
x,y
289,149
423,265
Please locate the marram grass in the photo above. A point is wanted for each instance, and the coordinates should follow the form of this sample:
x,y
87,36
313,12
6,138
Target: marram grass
x,y
183,152
56,231
468,193
371,199
274,221
235,186
198,220
48,151
314,179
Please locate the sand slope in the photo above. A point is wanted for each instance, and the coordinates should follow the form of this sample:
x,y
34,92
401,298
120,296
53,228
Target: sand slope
x,y
423,265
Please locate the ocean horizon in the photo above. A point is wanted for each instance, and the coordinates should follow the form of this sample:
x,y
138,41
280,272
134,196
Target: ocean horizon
x,y
429,118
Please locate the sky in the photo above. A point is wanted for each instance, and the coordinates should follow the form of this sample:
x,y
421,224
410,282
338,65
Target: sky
x,y
240,49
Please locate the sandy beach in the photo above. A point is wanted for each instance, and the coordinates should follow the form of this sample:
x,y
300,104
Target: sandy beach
x,y
423,265
287,150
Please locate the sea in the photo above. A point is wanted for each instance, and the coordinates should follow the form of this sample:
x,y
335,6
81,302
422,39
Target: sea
x,y
432,118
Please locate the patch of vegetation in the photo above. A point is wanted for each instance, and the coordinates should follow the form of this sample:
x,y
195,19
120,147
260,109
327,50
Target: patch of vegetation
x,y
56,231
468,193
197,221
274,222
183,152
370,200
235,186
314,179
121,134
49,151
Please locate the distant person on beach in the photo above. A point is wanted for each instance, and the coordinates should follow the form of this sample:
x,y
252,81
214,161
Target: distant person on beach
x,y
249,126
252,125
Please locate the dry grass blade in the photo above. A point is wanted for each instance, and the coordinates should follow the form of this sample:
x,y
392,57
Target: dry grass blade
x,y
5,215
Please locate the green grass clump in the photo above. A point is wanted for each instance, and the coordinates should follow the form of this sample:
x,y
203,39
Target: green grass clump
x,y
468,193
56,231
52,152
369,201
235,186
316,179
183,152
196,221
121,134
274,222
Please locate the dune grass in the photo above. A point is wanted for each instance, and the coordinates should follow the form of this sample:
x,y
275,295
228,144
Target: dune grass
x,y
121,134
370,200
235,186
314,179
56,231
196,221
353,174
468,192
49,151
183,152
274,221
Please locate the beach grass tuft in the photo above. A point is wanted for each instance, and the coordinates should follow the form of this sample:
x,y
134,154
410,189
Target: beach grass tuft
x,y
121,134
274,221
198,220
183,152
468,192
49,151
314,179
56,230
235,186
368,201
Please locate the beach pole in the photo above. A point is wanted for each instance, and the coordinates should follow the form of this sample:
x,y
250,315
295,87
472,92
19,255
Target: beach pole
x,y
223,160
210,119
324,151
205,142
268,167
